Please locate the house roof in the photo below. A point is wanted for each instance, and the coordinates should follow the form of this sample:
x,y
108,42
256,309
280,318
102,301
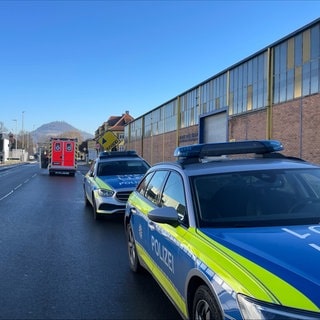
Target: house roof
x,y
118,122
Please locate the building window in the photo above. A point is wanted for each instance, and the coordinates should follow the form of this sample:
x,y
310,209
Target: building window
x,y
156,124
248,85
296,66
189,109
133,131
153,125
213,94
314,59
170,116
147,125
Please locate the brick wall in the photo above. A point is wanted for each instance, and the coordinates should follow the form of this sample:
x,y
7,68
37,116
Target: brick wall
x,y
252,126
297,125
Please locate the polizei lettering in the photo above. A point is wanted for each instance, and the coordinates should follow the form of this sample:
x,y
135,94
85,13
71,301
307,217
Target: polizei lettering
x,y
163,253
315,230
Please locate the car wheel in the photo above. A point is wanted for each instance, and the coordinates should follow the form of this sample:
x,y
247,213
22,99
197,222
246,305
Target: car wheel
x,y
132,251
96,215
204,306
86,201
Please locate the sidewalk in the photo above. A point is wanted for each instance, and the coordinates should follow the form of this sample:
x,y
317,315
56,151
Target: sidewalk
x,y
8,164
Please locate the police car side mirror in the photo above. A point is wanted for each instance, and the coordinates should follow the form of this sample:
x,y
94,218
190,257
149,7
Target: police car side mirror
x,y
167,215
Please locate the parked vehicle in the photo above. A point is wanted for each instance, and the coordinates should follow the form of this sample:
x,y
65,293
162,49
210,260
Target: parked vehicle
x,y
63,156
230,238
111,179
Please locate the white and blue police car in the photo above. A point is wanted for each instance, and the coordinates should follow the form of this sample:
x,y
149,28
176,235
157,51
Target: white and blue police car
x,y
110,180
230,231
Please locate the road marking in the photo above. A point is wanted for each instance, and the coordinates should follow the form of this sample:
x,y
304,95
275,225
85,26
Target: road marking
x,y
17,187
7,195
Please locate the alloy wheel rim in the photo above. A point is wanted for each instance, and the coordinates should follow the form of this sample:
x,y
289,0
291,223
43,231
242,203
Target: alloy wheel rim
x,y
202,310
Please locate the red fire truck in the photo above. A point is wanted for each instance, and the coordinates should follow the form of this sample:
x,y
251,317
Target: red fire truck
x,y
63,156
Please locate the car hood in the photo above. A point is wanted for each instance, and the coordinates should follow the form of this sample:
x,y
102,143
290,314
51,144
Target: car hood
x,y
125,181
292,253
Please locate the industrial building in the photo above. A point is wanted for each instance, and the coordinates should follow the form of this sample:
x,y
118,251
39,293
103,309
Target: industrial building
x,y
272,94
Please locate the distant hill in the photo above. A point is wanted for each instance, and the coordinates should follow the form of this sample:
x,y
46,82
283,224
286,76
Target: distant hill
x,y
58,129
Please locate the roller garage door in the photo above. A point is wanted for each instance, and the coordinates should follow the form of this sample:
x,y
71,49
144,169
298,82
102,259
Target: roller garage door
x,y
213,128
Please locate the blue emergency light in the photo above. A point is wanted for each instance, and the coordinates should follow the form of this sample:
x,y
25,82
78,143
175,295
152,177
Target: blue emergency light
x,y
228,148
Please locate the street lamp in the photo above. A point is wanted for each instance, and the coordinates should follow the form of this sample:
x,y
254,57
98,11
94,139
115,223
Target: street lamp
x,y
15,138
22,130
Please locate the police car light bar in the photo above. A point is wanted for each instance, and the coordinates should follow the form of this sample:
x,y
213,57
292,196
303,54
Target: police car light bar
x,y
227,148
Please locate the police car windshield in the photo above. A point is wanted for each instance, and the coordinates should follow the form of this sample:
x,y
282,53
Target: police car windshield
x,y
122,167
258,198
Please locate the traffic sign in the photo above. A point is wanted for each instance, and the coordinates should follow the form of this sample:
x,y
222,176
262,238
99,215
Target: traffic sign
x,y
109,140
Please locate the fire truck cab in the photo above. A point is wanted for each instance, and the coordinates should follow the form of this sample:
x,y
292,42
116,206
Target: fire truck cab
x,y
63,156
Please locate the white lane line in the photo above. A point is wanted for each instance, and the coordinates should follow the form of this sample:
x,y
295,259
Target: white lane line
x,y
7,195
17,187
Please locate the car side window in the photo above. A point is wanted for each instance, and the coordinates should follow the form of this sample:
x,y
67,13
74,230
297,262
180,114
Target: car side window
x,y
174,195
91,170
142,187
154,187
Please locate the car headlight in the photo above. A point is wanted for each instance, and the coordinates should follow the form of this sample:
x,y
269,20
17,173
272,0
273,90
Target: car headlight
x,y
255,309
105,193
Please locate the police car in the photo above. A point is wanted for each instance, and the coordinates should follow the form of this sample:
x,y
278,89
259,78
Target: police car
x,y
110,180
230,231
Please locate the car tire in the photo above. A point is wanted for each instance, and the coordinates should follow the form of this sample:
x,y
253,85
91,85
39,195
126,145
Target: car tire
x,y
132,250
96,216
86,201
204,305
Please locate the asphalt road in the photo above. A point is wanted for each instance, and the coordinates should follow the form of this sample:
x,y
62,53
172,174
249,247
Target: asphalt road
x,y
57,262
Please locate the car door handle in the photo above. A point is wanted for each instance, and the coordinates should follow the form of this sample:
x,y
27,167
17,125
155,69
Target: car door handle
x,y
133,210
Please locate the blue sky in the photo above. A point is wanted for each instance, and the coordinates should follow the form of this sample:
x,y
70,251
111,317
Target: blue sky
x,y
84,61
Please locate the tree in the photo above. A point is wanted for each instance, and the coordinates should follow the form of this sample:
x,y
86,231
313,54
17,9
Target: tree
x,y
71,135
83,147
